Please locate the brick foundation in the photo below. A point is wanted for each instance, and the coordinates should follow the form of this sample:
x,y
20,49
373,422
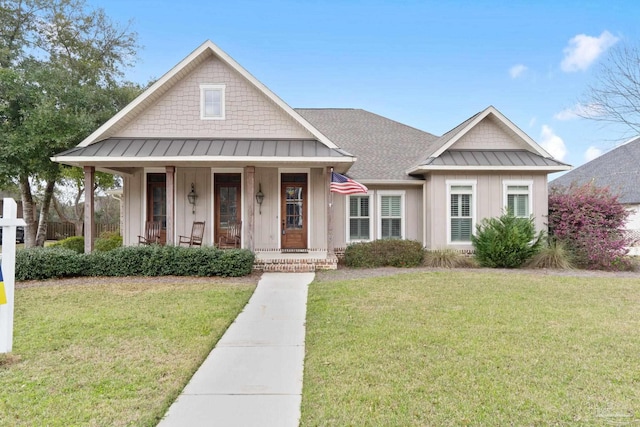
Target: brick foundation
x,y
295,265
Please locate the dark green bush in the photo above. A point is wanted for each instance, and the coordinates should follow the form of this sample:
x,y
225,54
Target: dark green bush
x,y
48,263
382,253
506,242
108,241
154,260
75,243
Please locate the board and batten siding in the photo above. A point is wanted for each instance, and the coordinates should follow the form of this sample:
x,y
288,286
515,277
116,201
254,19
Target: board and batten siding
x,y
184,216
489,202
267,230
413,213
133,208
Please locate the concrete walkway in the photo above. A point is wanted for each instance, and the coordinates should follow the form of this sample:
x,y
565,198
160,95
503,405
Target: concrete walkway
x,y
253,377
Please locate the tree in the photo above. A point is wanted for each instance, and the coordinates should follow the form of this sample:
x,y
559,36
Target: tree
x,y
615,95
60,78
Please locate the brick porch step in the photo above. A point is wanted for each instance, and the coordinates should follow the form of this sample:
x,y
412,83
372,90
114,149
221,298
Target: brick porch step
x,y
296,264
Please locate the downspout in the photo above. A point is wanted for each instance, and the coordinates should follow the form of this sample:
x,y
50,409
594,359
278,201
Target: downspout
x,y
424,213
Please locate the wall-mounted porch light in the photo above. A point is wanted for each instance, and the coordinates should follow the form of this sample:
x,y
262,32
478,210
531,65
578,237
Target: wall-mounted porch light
x,y
192,197
260,197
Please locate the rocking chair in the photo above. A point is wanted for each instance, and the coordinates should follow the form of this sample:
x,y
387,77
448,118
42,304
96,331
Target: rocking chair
x,y
197,232
151,233
231,237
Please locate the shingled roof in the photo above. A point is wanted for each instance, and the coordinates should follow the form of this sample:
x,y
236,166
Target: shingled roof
x,y
397,146
618,169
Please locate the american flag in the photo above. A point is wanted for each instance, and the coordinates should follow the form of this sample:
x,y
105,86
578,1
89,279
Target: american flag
x,y
343,185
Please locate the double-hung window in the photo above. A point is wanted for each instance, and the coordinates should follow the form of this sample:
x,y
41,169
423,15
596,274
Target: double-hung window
x,y
517,198
461,211
212,102
391,208
359,218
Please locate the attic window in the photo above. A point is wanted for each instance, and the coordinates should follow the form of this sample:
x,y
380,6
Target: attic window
x,y
212,102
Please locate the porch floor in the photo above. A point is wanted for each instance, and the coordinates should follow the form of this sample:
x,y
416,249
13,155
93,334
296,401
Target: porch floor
x,y
270,260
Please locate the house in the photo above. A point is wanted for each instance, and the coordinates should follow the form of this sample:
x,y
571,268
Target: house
x,y
618,170
207,138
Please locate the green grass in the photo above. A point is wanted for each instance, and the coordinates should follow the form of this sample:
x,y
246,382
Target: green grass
x,y
109,355
472,348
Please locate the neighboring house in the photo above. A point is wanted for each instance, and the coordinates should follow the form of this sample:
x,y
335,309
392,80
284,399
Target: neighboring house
x,y
619,170
211,127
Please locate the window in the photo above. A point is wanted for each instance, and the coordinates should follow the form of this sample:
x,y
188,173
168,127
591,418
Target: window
x,y
518,197
359,218
461,211
212,102
391,215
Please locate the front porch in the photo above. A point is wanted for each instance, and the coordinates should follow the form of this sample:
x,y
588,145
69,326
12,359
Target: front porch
x,y
278,261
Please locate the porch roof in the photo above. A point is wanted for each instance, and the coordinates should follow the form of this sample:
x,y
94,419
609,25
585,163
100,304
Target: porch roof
x,y
491,160
136,152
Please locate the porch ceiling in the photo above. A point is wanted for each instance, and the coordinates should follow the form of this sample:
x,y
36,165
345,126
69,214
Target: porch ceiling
x,y
123,153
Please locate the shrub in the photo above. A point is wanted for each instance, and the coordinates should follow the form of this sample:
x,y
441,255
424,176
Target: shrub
x,y
505,242
154,260
554,255
108,241
382,253
75,243
48,263
590,221
447,258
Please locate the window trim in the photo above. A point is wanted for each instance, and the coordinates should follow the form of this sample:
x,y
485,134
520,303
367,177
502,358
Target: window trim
x,y
514,182
474,201
369,195
203,89
403,220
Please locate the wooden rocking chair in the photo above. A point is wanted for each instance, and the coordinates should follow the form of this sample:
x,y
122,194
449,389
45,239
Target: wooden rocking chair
x,y
151,233
197,233
231,238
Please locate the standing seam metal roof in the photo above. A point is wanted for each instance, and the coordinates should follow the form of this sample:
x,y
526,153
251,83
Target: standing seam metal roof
x,y
165,147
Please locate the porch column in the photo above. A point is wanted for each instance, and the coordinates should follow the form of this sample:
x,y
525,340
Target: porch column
x,y
89,222
330,251
250,190
170,203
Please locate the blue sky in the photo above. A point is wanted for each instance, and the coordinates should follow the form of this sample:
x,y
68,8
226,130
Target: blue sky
x,y
428,64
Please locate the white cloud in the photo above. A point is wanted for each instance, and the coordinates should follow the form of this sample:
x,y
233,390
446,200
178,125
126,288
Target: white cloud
x,y
591,153
517,70
583,50
533,121
552,143
579,110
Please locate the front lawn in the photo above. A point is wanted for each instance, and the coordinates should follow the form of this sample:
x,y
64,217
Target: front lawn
x,y
110,355
473,348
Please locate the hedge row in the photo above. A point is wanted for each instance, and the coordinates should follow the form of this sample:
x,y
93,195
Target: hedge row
x,y
383,253
154,260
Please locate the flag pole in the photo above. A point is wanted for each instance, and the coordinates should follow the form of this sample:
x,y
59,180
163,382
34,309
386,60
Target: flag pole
x,y
330,192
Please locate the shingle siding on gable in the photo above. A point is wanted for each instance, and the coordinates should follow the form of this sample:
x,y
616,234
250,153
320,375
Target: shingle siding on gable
x,y
487,135
249,114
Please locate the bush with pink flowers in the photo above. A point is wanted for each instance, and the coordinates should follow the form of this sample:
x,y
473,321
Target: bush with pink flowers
x,y
590,221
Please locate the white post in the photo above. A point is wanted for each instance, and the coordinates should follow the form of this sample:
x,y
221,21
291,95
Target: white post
x,y
8,222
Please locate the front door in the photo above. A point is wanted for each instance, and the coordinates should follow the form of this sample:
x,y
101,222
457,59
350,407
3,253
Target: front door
x,y
294,211
227,202
157,201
